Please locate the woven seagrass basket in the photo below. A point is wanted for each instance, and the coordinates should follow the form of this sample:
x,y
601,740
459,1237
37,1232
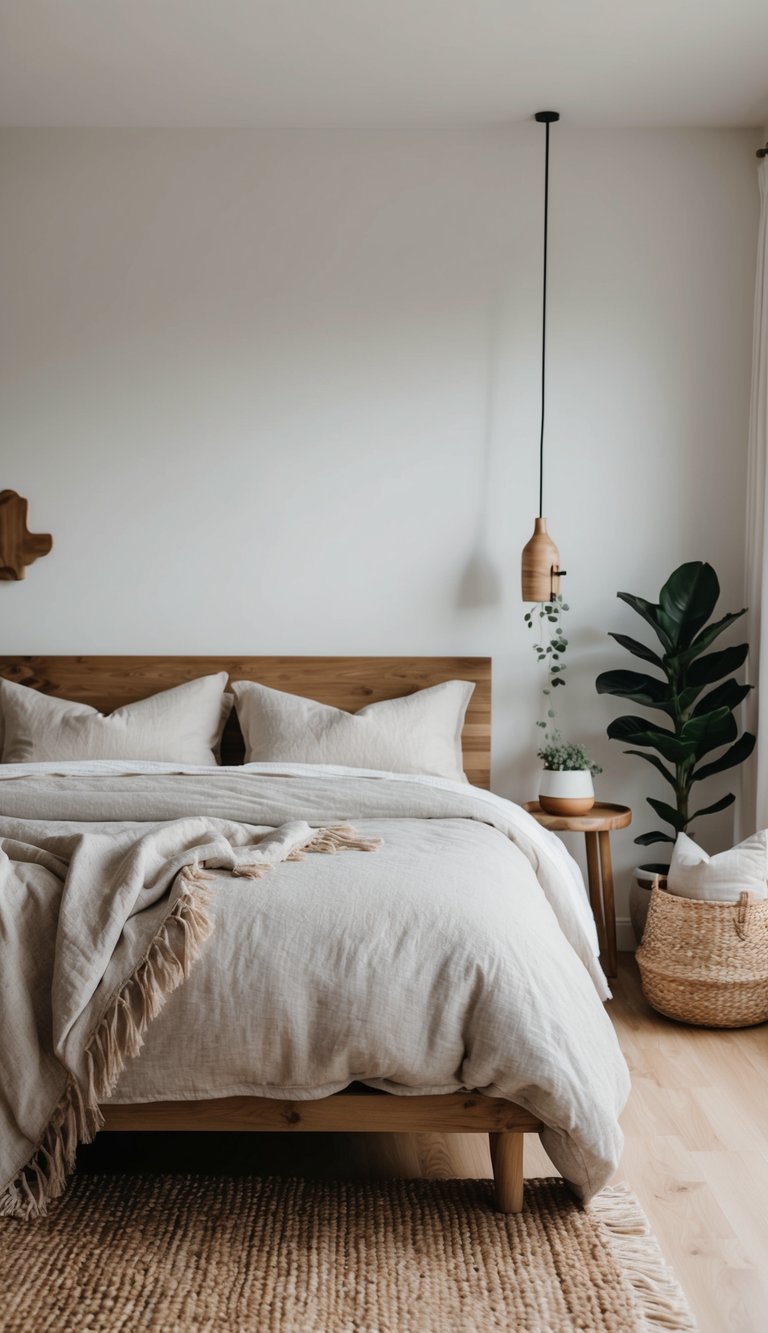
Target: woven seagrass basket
x,y
706,963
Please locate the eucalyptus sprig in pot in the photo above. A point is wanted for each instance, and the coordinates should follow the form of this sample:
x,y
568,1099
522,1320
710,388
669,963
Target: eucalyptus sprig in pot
x,y
566,783
566,786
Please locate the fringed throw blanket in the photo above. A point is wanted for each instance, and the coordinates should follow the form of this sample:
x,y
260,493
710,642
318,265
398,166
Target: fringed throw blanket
x,y
97,928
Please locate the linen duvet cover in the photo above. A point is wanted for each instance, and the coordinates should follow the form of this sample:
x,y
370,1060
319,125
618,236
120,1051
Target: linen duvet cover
x,y
171,934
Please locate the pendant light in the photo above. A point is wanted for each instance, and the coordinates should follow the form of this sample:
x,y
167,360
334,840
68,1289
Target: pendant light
x,y
541,559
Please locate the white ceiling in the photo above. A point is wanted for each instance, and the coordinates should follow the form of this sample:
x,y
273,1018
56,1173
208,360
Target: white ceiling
x,y
382,62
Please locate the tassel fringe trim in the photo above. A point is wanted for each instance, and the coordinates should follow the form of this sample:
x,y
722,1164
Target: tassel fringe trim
x,y
118,1037
659,1297
329,840
336,838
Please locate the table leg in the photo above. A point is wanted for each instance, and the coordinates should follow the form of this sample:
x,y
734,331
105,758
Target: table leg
x,y
593,881
609,909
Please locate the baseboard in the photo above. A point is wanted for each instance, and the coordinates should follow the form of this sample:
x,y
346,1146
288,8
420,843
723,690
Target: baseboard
x,y
625,937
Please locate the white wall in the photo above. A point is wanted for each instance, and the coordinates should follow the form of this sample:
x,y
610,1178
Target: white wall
x,y
276,392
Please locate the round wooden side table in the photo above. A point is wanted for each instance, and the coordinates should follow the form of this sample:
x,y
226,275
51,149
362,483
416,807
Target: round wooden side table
x,y
596,826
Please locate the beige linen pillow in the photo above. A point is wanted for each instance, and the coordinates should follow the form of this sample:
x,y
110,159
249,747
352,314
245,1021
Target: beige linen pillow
x,y
419,733
182,725
722,878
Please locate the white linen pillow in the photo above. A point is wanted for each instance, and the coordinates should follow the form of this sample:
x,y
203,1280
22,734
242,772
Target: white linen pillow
x,y
417,733
721,878
180,725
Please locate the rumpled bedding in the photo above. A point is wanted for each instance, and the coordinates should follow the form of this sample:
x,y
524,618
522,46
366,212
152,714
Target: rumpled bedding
x,y
459,954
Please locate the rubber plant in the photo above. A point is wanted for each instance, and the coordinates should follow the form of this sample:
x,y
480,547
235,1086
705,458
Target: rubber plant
x,y
695,689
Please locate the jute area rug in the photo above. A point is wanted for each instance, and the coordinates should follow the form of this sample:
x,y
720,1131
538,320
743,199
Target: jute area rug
x,y
187,1254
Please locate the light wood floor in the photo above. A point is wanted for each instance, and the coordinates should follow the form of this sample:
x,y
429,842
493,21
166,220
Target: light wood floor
x,y
696,1154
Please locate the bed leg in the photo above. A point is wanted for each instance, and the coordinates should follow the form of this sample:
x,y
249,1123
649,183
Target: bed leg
x,y
507,1162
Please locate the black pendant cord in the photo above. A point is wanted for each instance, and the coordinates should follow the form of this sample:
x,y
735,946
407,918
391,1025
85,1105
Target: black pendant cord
x,y
544,325
548,118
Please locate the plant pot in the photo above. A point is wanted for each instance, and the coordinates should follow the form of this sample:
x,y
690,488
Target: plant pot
x,y
566,791
640,898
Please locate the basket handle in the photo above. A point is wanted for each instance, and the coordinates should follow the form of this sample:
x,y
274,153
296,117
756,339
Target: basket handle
x,y
741,921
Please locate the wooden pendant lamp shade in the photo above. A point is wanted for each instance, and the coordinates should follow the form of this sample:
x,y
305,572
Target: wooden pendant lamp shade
x,y
541,565
541,570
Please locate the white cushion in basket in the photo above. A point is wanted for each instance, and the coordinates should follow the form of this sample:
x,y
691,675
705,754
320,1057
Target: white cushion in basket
x,y
722,878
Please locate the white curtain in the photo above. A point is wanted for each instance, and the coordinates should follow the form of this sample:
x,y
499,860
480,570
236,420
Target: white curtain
x,y
754,805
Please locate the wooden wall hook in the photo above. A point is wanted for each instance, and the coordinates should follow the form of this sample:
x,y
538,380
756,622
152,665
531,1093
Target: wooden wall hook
x,y
18,546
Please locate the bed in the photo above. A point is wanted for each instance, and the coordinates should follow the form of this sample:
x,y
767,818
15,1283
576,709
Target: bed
x,y
470,822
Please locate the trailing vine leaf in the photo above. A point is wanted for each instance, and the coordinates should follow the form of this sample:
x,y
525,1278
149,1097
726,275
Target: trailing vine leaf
x,y
550,649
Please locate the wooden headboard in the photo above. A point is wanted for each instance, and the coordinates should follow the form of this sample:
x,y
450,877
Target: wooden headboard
x,y
345,682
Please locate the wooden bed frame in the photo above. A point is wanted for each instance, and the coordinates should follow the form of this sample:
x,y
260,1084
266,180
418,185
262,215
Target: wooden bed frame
x,y
345,682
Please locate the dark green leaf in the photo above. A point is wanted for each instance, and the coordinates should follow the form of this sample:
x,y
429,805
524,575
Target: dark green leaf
x,y
710,731
668,813
638,687
707,637
736,755
639,649
657,764
635,731
652,613
728,695
628,684
686,699
645,839
688,599
713,666
713,809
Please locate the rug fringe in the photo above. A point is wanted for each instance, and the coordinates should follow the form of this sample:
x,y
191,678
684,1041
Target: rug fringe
x,y
660,1298
118,1037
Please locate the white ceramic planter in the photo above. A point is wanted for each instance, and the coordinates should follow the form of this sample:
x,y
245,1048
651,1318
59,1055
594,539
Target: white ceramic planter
x,y
566,792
